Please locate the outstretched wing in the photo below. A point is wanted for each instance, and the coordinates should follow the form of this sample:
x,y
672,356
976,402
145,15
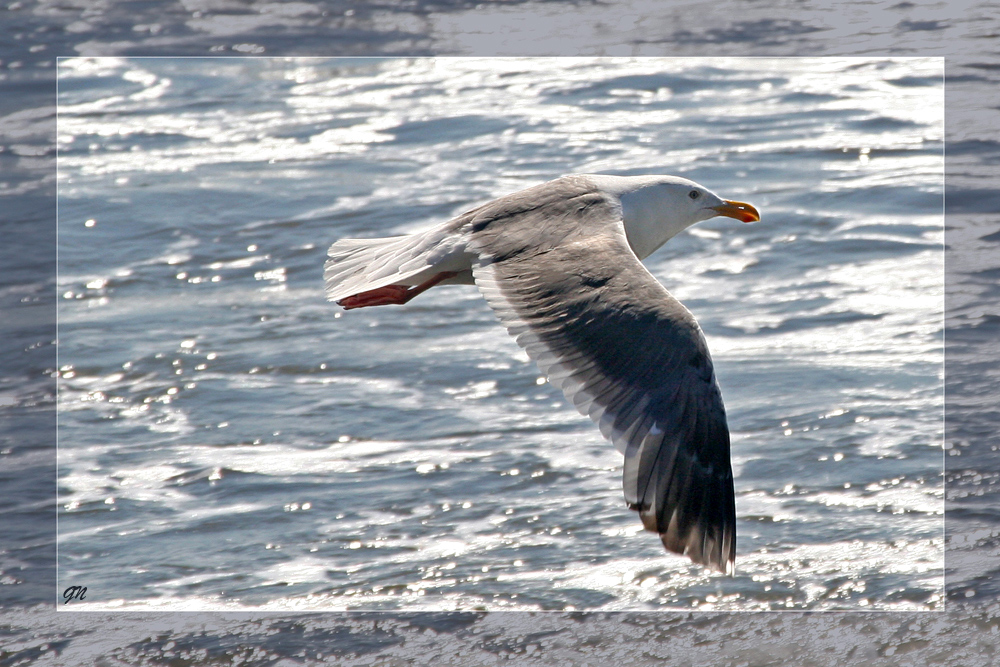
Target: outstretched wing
x,y
555,266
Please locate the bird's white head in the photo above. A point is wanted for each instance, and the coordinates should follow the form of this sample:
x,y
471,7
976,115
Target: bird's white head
x,y
656,208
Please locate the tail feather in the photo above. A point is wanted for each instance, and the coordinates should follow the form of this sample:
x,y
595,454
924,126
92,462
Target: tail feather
x,y
353,265
358,265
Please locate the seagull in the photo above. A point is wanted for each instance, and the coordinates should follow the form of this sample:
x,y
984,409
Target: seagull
x,y
560,265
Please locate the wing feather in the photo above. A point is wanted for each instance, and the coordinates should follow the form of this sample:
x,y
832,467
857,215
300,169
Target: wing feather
x,y
555,265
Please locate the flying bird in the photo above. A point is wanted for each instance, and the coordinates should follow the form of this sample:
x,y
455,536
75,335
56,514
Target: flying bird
x,y
559,264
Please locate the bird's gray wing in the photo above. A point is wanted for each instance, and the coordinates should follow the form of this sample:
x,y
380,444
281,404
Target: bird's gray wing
x,y
555,266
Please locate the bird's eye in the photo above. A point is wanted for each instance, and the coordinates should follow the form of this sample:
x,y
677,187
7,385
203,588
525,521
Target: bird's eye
x,y
694,194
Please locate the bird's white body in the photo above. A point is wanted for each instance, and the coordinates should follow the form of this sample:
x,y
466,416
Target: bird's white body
x,y
653,210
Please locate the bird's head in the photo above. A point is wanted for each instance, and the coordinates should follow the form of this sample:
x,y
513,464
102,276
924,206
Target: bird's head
x,y
656,208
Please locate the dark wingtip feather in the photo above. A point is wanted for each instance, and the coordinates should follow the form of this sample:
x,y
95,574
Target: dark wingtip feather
x,y
707,552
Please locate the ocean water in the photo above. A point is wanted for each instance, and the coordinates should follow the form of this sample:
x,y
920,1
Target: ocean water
x,y
228,440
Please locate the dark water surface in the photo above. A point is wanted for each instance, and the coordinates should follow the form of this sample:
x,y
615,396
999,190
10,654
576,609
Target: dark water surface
x,y
778,313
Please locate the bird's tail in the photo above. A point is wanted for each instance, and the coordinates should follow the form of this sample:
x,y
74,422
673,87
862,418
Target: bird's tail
x,y
359,265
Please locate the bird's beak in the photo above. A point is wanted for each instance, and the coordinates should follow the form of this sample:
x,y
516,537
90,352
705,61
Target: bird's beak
x,y
737,209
